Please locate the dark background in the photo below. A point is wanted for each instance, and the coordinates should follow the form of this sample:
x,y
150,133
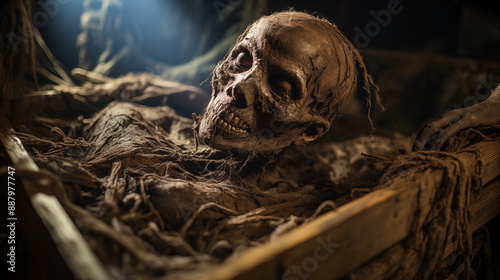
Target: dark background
x,y
456,28
431,57
427,60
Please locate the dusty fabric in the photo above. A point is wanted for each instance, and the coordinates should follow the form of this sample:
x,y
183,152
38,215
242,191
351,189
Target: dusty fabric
x,y
150,204
449,213
422,254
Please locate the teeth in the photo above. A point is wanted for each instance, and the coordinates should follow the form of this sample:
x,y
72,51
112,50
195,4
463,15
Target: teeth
x,y
230,122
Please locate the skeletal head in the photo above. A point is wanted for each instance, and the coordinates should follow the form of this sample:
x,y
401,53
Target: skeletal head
x,y
282,83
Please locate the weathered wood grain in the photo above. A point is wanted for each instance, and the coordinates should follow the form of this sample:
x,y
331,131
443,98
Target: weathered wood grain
x,y
74,249
360,230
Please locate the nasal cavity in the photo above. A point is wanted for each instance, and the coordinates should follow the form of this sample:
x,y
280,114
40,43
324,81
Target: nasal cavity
x,y
240,98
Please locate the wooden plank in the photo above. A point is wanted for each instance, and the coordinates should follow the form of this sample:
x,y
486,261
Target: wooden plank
x,y
336,242
16,151
74,249
353,234
484,208
489,153
70,242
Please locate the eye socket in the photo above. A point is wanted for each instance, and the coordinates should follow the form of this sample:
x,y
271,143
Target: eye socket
x,y
243,60
283,86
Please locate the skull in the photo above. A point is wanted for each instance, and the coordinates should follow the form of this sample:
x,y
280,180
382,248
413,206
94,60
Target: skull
x,y
282,84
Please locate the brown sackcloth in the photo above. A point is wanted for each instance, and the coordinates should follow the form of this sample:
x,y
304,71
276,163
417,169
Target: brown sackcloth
x,y
152,205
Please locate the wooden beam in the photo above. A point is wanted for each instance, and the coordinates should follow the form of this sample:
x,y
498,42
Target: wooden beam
x,y
73,247
339,241
483,209
70,242
486,206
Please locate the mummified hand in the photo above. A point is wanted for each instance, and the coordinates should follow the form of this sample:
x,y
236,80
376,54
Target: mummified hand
x,y
435,134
